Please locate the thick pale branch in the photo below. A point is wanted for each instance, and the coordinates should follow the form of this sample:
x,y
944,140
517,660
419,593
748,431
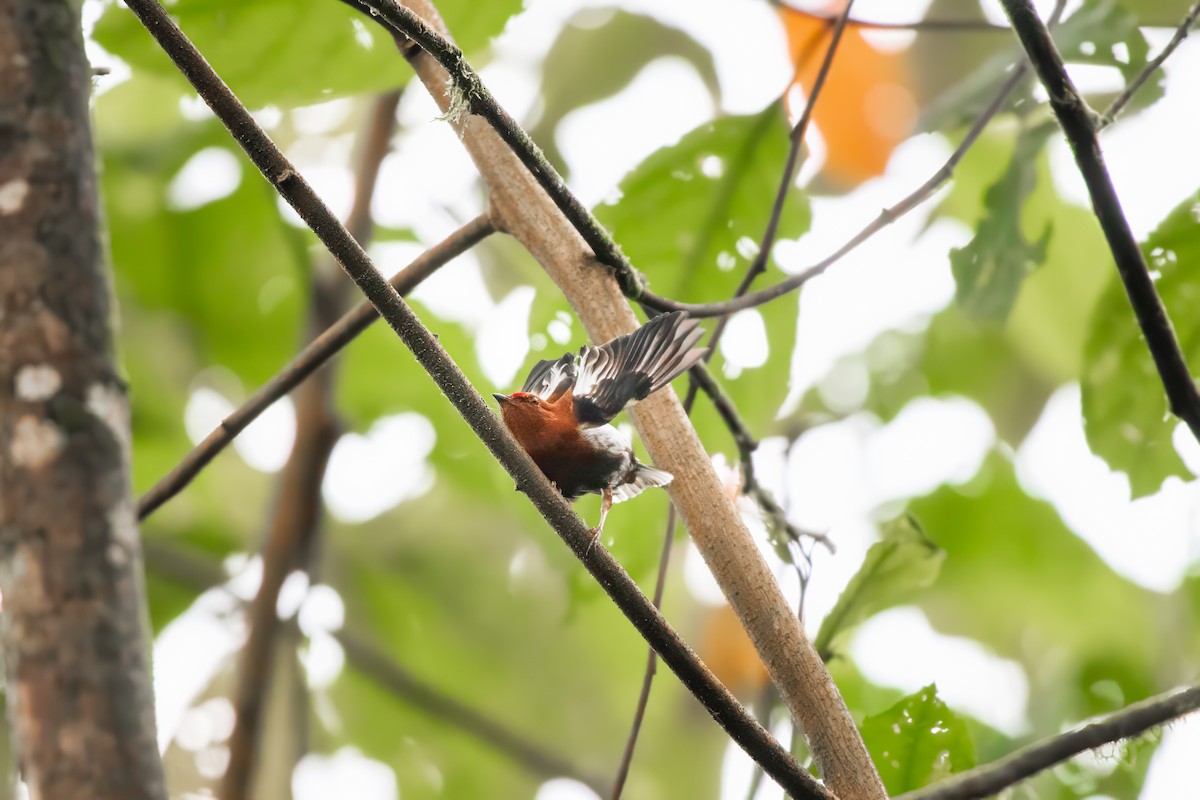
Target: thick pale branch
x,y
535,220
994,778
1079,124
723,706
309,360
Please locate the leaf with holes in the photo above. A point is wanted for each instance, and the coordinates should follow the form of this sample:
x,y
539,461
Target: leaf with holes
x,y
1105,33
903,561
990,269
917,742
1125,410
691,216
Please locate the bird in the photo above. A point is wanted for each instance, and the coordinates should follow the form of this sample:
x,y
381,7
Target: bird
x,y
561,415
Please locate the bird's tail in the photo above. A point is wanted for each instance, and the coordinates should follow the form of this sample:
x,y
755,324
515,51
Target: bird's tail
x,y
644,478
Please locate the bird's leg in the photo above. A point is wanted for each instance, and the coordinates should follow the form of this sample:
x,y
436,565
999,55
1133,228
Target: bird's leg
x,y
605,504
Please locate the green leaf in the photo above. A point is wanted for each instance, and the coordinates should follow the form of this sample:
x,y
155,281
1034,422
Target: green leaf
x,y
918,741
1106,33
990,269
708,199
903,561
1125,409
286,53
959,76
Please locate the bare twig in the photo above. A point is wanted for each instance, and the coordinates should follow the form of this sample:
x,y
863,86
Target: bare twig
x,y
202,572
991,779
885,218
1181,33
759,265
723,706
309,360
1079,124
746,445
639,712
294,521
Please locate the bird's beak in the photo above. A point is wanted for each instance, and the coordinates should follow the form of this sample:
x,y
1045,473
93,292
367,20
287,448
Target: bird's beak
x,y
503,398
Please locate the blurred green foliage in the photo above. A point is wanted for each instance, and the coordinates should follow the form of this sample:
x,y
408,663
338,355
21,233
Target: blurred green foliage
x,y
466,588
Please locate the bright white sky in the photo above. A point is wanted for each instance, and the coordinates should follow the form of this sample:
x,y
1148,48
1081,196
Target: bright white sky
x,y
846,470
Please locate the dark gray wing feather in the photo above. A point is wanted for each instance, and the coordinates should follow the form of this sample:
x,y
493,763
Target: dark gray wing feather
x,y
629,368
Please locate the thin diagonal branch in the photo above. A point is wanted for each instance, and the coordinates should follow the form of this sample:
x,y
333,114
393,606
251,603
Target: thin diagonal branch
x,y
759,265
991,779
885,218
746,445
1181,33
1079,124
308,361
202,572
639,711
720,703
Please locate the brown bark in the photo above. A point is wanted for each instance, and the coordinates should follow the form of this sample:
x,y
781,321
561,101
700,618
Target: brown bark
x,y
79,689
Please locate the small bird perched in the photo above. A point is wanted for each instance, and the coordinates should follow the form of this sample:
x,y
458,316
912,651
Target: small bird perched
x,y
561,414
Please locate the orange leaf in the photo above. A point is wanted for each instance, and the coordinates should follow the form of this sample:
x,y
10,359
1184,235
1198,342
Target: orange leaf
x,y
728,652
865,109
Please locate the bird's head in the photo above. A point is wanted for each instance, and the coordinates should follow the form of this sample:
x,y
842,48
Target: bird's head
x,y
523,408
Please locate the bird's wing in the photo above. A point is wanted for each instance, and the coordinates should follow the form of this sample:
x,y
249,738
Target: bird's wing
x,y
629,368
549,379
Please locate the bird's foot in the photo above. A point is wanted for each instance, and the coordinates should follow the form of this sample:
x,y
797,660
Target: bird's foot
x,y
595,538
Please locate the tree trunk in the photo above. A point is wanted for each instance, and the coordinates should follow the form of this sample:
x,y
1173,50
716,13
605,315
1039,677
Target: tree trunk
x,y
79,694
